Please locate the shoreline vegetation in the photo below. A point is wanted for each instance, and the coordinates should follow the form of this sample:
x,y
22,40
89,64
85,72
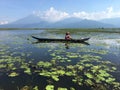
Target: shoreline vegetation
x,y
107,30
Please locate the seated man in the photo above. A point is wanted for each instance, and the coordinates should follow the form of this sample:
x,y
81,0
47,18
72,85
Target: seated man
x,y
67,36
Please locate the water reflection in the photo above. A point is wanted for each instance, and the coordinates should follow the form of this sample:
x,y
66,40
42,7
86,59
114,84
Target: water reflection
x,y
67,44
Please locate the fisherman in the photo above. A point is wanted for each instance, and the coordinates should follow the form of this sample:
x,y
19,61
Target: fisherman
x,y
67,36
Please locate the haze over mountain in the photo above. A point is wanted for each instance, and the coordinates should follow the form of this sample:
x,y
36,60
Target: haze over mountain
x,y
33,21
113,21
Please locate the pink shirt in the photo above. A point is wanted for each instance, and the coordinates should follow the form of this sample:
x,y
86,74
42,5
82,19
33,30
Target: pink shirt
x,y
68,37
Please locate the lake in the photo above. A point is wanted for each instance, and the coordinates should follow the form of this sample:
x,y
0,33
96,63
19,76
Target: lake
x,y
26,64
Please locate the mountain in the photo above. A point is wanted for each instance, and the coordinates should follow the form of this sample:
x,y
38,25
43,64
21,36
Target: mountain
x,y
28,20
33,21
65,23
113,21
94,24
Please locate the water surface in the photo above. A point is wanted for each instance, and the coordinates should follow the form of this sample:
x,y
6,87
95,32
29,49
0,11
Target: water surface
x,y
25,63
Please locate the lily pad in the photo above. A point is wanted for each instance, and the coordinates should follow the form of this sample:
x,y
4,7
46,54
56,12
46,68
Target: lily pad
x,y
55,77
89,75
13,74
60,88
49,87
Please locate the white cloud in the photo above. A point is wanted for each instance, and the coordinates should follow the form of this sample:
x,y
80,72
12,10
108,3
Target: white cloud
x,y
110,9
54,15
3,22
108,13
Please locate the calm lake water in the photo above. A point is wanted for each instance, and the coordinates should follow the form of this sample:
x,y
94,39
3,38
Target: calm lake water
x,y
26,64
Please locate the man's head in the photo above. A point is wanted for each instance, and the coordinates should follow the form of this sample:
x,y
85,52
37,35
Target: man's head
x,y
67,33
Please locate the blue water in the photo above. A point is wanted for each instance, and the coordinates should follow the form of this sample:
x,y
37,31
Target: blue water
x,y
20,43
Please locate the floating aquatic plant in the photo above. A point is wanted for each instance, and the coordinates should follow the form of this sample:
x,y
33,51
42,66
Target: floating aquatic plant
x,y
49,87
101,52
35,88
13,74
60,88
44,64
55,77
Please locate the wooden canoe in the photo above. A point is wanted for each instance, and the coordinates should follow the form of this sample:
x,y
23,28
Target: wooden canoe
x,y
61,40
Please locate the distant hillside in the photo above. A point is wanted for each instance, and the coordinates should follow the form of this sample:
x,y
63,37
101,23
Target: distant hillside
x,y
113,21
33,21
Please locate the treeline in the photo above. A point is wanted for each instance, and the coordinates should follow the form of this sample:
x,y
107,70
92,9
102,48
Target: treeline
x,y
22,28
107,30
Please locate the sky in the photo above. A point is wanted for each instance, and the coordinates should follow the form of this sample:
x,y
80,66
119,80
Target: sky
x,y
55,10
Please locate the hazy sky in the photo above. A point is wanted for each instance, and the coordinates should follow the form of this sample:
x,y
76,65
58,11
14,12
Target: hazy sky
x,y
11,10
